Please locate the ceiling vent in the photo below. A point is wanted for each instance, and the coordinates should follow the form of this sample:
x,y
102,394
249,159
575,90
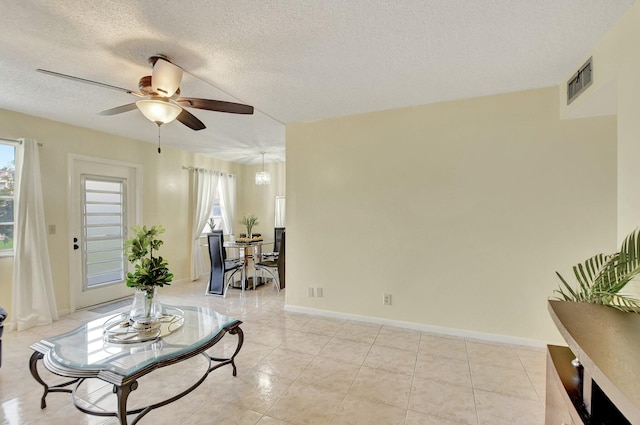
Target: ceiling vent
x,y
580,81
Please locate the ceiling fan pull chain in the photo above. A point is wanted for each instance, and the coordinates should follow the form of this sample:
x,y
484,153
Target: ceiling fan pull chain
x,y
159,150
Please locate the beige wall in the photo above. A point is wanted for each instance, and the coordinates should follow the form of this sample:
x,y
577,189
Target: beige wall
x,y
165,184
462,211
616,86
260,200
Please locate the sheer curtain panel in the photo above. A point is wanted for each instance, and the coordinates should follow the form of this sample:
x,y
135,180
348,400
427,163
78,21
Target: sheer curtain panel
x,y
34,301
228,201
205,183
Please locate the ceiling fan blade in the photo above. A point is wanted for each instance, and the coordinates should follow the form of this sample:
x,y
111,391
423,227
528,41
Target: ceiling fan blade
x,y
188,119
119,109
84,80
215,105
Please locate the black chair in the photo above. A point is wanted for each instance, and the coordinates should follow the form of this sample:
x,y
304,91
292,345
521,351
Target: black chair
x,y
228,260
275,267
277,235
3,315
219,281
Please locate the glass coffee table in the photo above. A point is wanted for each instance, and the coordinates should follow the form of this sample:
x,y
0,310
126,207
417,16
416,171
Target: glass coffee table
x,y
88,352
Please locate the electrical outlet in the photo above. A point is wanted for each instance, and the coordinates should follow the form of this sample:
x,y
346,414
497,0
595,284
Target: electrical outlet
x,y
310,292
319,292
386,299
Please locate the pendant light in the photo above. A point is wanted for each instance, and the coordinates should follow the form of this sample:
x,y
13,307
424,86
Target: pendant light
x,y
263,177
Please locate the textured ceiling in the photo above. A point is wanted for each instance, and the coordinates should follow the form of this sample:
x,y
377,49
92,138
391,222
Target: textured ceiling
x,y
293,60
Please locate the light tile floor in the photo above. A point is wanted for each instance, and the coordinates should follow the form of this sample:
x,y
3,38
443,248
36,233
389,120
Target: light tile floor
x,y
297,369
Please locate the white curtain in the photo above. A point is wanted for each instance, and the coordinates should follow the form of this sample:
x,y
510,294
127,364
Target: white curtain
x,y
205,183
228,201
34,301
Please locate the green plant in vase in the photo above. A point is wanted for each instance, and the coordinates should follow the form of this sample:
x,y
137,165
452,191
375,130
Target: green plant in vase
x,y
249,222
150,272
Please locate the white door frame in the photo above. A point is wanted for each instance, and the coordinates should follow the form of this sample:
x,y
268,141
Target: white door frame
x,y
71,197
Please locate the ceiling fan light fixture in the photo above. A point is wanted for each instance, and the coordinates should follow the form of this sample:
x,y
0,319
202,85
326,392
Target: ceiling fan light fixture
x,y
165,78
263,177
164,104
158,111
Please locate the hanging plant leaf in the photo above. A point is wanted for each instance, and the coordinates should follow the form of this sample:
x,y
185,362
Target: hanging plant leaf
x,y
602,277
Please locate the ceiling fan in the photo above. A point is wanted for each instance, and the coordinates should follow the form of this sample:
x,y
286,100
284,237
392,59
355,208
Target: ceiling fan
x,y
160,99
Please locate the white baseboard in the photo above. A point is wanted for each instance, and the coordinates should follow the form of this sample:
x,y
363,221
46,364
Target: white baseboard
x,y
179,281
481,336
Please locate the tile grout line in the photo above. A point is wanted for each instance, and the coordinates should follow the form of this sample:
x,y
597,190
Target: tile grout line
x,y
473,389
357,373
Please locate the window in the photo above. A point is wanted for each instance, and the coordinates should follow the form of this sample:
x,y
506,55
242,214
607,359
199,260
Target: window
x,y
7,179
222,210
216,215
104,229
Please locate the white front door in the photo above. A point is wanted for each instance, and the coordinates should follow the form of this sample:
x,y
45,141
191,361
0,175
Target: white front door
x,y
103,205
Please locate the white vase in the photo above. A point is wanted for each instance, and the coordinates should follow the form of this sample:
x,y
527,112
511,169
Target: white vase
x,y
146,308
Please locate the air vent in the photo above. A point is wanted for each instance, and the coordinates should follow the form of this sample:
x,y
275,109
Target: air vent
x,y
580,81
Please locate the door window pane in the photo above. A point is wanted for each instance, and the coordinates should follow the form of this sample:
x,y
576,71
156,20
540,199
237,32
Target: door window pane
x,y
104,230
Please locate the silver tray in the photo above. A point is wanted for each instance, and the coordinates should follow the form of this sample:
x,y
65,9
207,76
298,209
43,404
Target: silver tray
x,y
121,329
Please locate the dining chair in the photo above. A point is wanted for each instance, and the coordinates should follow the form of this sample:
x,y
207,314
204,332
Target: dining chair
x,y
275,267
228,260
219,281
277,235
3,315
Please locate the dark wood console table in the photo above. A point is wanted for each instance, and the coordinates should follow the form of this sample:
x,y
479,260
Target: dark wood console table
x,y
605,388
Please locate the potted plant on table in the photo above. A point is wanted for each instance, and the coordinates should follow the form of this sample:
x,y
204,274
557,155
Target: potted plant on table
x,y
249,222
150,273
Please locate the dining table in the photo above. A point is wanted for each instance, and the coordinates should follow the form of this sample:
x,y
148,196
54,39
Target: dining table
x,y
250,250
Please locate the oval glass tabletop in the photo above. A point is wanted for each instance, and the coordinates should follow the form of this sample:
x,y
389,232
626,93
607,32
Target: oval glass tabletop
x,y
85,348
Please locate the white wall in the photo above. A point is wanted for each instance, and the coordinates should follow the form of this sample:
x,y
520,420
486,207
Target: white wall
x,y
462,211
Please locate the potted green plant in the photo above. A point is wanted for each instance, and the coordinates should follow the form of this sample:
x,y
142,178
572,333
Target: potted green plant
x,y
150,273
249,222
602,278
